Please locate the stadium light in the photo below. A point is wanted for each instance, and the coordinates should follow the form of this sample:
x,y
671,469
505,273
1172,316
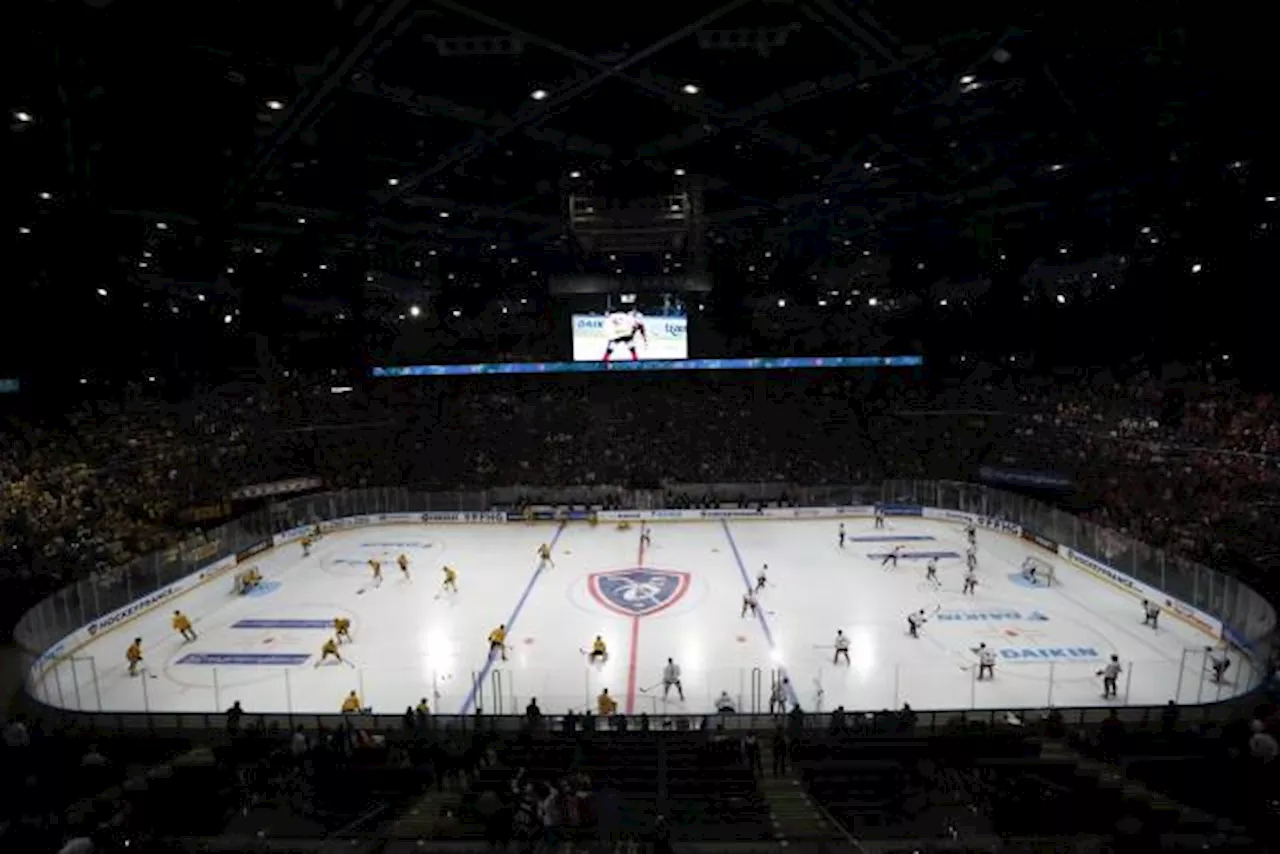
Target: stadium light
x,y
414,310
275,105
690,89
538,94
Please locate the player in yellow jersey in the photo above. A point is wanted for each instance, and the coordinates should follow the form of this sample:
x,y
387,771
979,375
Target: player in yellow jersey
x,y
605,704
544,557
498,641
342,629
376,566
351,705
599,652
450,579
182,626
423,707
403,563
306,546
134,656
330,648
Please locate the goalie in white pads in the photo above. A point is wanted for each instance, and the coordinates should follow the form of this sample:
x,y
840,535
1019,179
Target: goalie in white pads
x,y
1151,614
1110,676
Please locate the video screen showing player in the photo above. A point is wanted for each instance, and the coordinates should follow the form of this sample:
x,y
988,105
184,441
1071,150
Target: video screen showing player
x,y
628,333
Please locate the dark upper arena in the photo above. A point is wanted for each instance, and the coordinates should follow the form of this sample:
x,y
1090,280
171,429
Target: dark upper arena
x,y
225,216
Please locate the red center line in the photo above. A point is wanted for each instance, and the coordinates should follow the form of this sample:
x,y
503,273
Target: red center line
x,y
635,639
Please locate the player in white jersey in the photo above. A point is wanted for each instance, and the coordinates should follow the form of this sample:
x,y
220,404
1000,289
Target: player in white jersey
x,y
841,535
972,533
646,535
842,648
891,557
1151,614
1110,676
970,582
762,577
931,572
914,622
879,518
986,662
1219,663
778,696
622,328
671,677
749,603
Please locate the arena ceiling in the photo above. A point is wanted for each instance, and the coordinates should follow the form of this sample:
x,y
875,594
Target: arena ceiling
x,y
306,152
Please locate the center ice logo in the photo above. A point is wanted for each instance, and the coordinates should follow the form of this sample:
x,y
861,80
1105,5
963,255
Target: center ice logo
x,y
638,592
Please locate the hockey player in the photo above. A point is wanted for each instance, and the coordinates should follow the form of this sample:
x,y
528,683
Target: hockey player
x,y
342,629
330,648
878,515
671,677
351,705
841,535
971,533
1151,613
971,557
914,622
986,662
842,648
306,546
1219,663
623,328
724,704
450,582
606,705
599,651
1110,676
931,572
182,626
403,563
544,557
762,577
970,582
133,655
498,641
646,536
749,603
778,696
891,557
376,566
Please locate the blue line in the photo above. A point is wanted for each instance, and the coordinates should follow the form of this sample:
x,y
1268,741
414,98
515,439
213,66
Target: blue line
x,y
764,624
511,623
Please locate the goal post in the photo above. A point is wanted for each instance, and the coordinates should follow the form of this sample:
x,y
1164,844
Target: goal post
x,y
1038,571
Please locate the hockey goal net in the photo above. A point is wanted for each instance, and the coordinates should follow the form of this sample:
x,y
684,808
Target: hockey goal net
x,y
1038,571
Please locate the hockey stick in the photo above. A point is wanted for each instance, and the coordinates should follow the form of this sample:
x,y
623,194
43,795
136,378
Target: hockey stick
x,y
650,688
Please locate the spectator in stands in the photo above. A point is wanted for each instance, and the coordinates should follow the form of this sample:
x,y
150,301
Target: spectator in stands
x,y
533,714
234,714
1262,744
780,748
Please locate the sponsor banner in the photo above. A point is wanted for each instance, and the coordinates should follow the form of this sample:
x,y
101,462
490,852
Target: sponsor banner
x,y
807,513
246,658
1016,654
948,515
1209,625
994,523
291,535
53,653
279,487
216,568
282,624
255,549
730,514
131,610
915,555
1043,542
900,509
996,616
656,514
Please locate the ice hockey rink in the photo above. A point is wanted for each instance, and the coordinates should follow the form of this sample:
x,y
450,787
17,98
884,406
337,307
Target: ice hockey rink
x,y
680,598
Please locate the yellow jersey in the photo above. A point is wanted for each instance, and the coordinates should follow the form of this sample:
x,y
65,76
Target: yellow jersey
x,y
498,636
180,622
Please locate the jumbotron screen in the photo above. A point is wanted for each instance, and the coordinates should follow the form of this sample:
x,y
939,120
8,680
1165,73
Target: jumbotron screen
x,y
630,335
